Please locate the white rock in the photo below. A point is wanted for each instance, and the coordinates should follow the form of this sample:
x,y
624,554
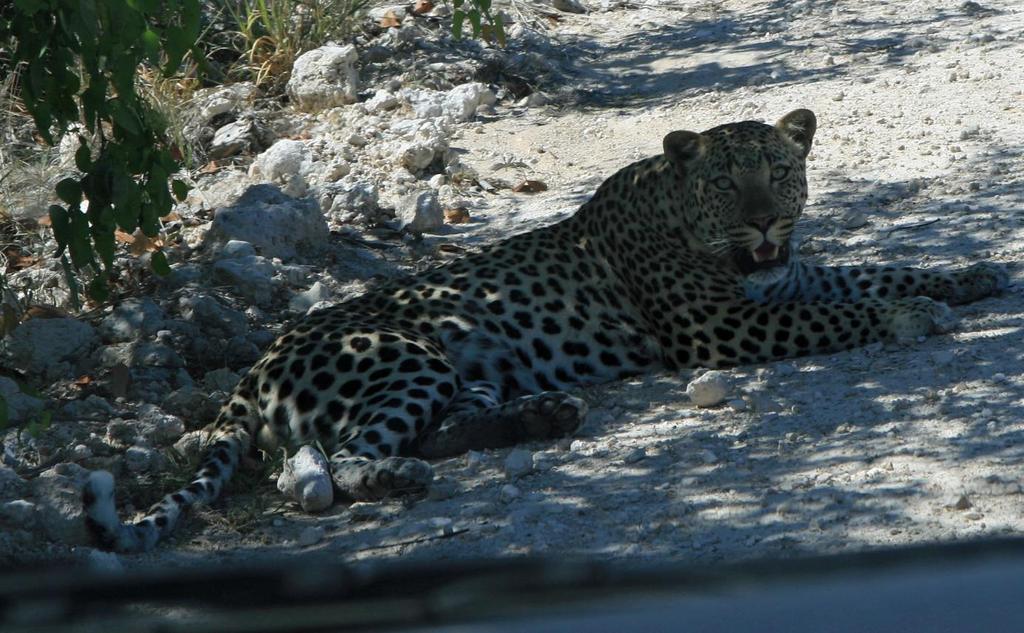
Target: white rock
x,y
436,182
518,462
737,404
138,458
380,101
352,201
635,455
709,389
164,428
441,489
275,224
461,102
19,513
303,301
192,444
509,493
474,459
58,496
49,348
237,248
323,78
234,138
286,163
132,319
250,276
20,405
211,102
311,536
80,452
420,212
306,478
101,561
415,156
11,484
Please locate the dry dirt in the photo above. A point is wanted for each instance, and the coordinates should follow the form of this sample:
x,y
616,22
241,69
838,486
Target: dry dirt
x,y
917,161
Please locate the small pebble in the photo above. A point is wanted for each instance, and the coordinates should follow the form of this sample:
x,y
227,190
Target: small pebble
x,y
99,560
737,404
441,489
707,456
519,462
963,503
709,389
475,459
311,536
635,455
19,512
138,458
509,493
80,452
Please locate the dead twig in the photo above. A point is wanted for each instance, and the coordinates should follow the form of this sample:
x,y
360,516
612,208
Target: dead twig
x,y
910,227
415,541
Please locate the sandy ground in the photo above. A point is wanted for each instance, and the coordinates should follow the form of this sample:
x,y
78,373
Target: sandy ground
x,y
917,161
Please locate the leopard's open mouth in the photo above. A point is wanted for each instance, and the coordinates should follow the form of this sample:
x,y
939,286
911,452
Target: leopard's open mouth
x,y
764,257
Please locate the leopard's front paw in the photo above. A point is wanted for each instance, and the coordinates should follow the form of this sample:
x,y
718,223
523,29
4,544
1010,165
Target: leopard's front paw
x,y
910,319
981,280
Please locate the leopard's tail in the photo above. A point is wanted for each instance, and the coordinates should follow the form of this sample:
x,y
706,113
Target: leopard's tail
x,y
219,463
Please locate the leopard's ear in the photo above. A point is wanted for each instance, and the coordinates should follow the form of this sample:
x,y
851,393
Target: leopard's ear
x,y
799,126
681,147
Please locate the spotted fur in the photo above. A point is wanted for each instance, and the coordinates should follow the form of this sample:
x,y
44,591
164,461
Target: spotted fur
x,y
680,260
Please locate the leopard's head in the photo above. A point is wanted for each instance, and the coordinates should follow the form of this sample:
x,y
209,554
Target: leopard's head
x,y
743,186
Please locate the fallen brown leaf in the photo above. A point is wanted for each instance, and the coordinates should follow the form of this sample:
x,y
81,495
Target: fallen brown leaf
x,y
390,20
456,215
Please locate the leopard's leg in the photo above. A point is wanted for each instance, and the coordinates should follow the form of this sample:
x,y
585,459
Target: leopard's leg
x,y
359,478
810,283
477,419
370,464
744,331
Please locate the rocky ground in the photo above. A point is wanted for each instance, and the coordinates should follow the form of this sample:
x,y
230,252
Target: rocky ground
x,y
917,161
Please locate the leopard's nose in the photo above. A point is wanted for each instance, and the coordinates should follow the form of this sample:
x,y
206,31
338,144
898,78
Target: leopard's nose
x,y
762,224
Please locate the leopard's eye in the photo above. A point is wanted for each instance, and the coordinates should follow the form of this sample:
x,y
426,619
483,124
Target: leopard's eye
x,y
779,172
723,183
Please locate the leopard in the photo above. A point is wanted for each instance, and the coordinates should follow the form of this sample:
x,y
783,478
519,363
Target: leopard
x,y
682,260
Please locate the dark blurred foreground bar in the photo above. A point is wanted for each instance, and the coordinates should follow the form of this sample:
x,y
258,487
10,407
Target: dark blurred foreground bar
x,y
974,586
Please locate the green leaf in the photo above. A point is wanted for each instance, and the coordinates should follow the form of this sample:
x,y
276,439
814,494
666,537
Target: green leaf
x,y
124,117
457,19
180,189
474,19
159,262
61,226
83,157
485,5
69,191
5,416
29,7
499,30
458,3
177,42
98,289
151,43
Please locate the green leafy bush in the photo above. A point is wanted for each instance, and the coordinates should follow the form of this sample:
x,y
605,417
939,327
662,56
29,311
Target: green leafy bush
x,y
79,61
484,24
